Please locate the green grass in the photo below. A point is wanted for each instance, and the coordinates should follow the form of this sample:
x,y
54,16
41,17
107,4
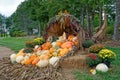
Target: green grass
x,y
112,74
13,42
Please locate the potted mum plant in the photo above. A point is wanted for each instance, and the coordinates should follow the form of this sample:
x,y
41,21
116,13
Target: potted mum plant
x,y
96,48
86,44
93,60
107,56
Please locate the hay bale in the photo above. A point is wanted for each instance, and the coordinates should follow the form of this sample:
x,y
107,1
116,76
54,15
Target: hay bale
x,y
74,62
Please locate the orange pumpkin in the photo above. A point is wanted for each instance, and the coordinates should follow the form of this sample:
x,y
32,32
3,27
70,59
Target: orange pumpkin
x,y
52,50
46,46
59,43
67,45
36,60
32,57
27,62
63,52
70,38
44,57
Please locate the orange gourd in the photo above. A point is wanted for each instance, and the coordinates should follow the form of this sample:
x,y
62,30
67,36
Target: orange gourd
x,y
46,46
27,62
70,38
20,53
67,45
63,52
32,57
52,50
44,57
36,60
59,43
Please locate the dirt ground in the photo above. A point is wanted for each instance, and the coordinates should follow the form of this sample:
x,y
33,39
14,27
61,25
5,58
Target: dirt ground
x,y
5,52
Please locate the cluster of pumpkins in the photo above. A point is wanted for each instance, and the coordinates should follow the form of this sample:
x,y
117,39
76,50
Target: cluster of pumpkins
x,y
47,53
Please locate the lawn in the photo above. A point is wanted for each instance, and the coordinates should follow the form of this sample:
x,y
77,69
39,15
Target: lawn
x,y
113,74
14,43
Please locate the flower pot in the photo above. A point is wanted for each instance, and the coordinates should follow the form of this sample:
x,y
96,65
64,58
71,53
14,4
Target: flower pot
x,y
107,63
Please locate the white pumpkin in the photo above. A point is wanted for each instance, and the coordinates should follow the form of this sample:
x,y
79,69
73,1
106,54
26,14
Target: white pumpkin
x,y
13,58
19,59
42,63
41,52
102,67
25,59
74,39
54,61
36,47
53,44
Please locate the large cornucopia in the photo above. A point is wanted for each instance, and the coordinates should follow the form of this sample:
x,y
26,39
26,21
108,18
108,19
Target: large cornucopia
x,y
64,36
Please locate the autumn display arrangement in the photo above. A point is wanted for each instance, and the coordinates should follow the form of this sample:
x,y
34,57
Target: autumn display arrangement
x,y
41,57
100,58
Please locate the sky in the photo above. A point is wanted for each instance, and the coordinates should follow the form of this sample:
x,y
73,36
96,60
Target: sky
x,y
8,7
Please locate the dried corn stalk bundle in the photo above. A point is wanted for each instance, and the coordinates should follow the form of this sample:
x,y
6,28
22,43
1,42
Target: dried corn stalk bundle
x,y
9,71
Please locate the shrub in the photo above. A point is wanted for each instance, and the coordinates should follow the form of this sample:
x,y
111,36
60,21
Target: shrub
x,y
36,41
39,41
110,30
107,55
93,60
87,43
96,48
29,44
15,32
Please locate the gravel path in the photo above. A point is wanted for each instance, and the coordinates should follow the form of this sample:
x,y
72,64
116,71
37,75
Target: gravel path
x,y
5,52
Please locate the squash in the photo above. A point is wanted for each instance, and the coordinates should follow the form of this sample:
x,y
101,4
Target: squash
x,y
26,57
42,63
46,46
53,44
36,47
41,52
44,57
52,50
63,52
27,62
32,57
67,45
75,40
59,43
13,58
63,37
102,67
19,59
54,61
20,53
93,71
36,60
70,37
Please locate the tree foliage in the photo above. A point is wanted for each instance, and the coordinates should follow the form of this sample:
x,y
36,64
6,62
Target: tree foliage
x,y
36,13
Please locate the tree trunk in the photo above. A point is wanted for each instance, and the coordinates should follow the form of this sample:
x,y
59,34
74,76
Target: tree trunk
x,y
39,29
88,22
117,21
82,17
100,25
92,23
